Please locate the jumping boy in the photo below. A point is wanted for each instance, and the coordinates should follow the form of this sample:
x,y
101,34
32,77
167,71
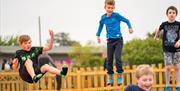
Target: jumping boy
x,y
171,45
114,37
31,70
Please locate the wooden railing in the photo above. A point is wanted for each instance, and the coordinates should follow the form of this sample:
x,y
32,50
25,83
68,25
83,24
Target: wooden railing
x,y
82,80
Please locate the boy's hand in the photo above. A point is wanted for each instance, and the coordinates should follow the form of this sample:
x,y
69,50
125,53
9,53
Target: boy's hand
x,y
99,40
177,45
50,42
156,37
130,31
15,63
51,33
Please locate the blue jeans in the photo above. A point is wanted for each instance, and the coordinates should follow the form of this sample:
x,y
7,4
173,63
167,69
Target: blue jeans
x,y
114,46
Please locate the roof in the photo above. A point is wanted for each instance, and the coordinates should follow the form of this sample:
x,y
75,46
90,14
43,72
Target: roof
x,y
54,50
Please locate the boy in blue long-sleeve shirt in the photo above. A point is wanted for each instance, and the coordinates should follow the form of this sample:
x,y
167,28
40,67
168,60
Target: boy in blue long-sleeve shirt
x,y
114,37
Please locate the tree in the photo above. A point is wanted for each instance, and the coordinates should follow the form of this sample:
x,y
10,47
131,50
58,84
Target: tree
x,y
8,41
139,51
84,56
63,39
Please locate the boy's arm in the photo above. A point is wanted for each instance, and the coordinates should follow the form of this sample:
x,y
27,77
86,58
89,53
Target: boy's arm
x,y
98,39
127,22
158,31
99,32
50,43
177,45
122,18
157,34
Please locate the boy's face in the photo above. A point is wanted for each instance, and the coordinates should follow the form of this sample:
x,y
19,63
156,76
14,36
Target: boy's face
x,y
109,9
26,45
145,82
171,14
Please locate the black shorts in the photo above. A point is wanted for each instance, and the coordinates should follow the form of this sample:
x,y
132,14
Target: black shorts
x,y
25,75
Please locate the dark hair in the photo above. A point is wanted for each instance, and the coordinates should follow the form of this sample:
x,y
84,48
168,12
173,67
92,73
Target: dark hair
x,y
173,8
110,2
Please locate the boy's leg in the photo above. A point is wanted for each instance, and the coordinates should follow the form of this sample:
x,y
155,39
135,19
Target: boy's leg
x,y
46,59
176,63
58,79
25,75
110,80
168,74
168,57
29,67
48,68
118,56
177,74
110,53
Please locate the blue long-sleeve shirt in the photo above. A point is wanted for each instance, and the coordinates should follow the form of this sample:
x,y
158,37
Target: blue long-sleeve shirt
x,y
113,29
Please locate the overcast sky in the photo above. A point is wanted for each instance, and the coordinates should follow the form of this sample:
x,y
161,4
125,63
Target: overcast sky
x,y
79,18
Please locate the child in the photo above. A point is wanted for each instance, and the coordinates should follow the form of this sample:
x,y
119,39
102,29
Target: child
x,y
114,37
171,45
31,70
5,65
144,76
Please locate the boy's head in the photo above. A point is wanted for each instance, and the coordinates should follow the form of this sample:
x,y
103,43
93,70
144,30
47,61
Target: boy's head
x,y
144,75
25,42
171,13
109,7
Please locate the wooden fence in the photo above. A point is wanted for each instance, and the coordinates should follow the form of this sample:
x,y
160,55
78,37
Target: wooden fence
x,y
82,80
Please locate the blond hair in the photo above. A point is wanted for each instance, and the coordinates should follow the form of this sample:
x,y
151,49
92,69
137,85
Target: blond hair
x,y
23,38
143,69
110,2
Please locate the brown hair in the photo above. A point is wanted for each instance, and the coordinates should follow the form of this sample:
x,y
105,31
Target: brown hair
x,y
173,8
110,2
23,38
143,69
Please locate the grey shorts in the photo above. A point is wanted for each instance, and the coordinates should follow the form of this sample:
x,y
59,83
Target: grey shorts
x,y
171,58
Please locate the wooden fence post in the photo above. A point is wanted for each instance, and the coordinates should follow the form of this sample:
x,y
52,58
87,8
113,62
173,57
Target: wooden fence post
x,y
160,77
89,84
78,81
95,78
102,78
133,73
128,75
83,82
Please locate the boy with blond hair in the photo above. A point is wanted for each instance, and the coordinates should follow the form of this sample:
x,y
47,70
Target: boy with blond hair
x,y
144,76
114,37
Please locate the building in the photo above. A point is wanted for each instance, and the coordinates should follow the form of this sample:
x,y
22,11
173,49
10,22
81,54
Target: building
x,y
57,53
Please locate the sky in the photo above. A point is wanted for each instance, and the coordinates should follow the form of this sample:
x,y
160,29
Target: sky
x,y
79,18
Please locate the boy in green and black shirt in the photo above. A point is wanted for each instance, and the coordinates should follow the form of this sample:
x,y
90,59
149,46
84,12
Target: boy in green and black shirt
x,y
31,70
